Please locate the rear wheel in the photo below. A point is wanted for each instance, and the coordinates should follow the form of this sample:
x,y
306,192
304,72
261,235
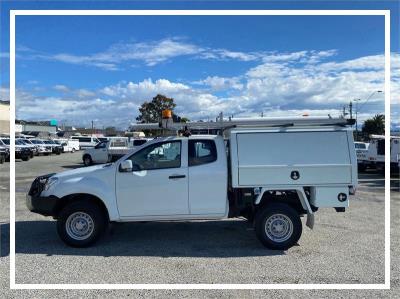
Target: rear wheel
x,y
73,150
278,226
80,224
87,160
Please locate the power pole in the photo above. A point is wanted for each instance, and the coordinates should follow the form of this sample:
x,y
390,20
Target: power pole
x,y
92,128
351,109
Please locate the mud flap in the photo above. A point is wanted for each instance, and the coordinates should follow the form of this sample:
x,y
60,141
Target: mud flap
x,y
310,220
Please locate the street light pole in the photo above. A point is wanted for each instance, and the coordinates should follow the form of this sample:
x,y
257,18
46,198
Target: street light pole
x,y
356,101
357,109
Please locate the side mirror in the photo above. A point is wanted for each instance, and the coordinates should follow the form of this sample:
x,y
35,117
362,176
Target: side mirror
x,y
126,166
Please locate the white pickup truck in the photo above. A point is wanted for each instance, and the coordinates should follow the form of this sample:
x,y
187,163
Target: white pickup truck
x,y
109,150
271,173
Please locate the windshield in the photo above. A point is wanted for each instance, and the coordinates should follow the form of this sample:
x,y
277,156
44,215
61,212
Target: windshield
x,y
6,141
19,142
47,142
37,142
27,141
360,146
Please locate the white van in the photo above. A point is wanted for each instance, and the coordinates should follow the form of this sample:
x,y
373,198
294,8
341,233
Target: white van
x,y
86,141
376,152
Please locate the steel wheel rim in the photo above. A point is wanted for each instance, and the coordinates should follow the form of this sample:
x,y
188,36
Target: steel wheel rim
x,y
279,228
79,226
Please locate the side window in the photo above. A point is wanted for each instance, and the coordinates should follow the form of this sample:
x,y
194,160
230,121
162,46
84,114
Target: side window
x,y
158,156
202,152
101,145
138,142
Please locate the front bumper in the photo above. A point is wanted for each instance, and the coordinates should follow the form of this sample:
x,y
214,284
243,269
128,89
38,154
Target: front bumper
x,y
44,205
22,154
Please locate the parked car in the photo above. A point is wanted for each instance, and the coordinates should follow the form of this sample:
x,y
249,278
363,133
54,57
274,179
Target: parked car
x,y
21,151
86,141
69,145
5,150
3,154
31,147
55,147
271,173
43,148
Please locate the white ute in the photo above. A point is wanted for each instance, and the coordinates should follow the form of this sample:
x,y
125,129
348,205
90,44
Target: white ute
x,y
108,150
270,171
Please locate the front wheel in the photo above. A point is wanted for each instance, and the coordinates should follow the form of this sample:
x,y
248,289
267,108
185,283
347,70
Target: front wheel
x,y
87,160
80,224
278,226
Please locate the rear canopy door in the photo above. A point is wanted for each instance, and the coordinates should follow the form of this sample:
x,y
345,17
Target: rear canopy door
x,y
295,158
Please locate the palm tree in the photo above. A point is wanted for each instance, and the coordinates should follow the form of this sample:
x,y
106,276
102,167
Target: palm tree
x,y
375,125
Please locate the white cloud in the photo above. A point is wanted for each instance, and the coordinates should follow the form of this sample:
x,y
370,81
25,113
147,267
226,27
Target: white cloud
x,y
150,53
287,84
61,88
84,93
217,83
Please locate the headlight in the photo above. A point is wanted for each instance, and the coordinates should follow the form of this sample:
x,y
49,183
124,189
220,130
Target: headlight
x,y
52,181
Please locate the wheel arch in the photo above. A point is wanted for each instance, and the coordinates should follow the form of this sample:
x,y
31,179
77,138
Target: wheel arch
x,y
298,200
64,201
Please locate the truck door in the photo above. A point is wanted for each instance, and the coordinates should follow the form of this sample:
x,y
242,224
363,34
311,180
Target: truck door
x,y
100,153
207,177
158,184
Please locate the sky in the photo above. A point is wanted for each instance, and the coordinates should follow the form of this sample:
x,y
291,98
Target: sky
x,y
76,69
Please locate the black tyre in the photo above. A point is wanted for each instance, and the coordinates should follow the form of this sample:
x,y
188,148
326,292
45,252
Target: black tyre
x,y
2,159
87,160
278,226
25,158
81,223
73,150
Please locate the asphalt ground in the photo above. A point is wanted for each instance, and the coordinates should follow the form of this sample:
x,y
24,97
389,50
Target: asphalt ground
x,y
343,248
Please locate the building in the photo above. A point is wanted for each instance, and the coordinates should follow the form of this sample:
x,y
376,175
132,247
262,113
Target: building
x,y
35,127
4,117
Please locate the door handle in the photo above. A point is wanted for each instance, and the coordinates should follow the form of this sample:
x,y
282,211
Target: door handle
x,y
176,176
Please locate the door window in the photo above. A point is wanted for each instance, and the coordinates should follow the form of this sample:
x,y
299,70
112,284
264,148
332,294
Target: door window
x,y
202,152
158,156
101,145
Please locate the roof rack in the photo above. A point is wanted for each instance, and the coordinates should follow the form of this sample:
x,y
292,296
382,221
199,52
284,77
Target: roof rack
x,y
223,124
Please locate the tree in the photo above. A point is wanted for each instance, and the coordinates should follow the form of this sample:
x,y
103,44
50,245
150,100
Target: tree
x,y
375,125
151,111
